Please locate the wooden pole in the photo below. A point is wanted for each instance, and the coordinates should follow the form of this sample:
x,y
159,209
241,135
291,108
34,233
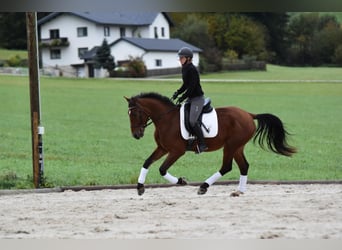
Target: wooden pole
x,y
37,129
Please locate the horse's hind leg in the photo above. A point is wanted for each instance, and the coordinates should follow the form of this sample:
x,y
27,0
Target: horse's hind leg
x,y
240,159
225,168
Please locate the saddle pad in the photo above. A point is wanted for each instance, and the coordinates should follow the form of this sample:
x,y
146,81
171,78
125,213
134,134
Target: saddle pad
x,y
209,120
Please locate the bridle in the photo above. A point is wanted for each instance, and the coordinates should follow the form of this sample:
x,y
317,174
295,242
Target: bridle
x,y
149,120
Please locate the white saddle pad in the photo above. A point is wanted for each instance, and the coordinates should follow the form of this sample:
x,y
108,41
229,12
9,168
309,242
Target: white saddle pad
x,y
209,120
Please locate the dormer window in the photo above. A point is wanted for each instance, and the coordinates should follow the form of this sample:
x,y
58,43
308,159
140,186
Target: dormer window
x,y
122,32
106,30
155,32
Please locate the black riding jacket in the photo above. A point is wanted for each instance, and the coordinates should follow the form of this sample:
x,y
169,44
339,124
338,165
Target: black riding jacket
x,y
191,82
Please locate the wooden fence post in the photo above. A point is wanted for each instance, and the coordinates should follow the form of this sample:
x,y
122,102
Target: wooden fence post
x,y
37,129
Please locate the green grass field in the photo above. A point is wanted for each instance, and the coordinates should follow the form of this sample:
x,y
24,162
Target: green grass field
x,y
87,138
7,54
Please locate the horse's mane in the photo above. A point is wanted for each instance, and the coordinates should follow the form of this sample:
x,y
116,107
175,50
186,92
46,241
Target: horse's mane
x,y
156,96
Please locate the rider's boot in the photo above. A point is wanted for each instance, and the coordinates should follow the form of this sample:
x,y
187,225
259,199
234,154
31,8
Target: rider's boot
x,y
201,146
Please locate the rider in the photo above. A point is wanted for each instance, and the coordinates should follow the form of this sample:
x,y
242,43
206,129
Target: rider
x,y
192,90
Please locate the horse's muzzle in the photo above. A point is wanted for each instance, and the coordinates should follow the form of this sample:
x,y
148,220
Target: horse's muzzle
x,y
138,133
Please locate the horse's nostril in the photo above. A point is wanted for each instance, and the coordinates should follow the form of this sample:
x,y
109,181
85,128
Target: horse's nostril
x,y
136,136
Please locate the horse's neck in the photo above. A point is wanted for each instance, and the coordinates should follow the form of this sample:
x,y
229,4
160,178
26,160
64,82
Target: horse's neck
x,y
155,107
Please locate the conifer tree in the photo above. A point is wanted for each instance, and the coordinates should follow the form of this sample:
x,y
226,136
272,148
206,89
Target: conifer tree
x,y
104,58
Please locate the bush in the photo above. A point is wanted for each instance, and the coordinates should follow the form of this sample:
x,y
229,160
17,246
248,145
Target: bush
x,y
213,60
338,55
231,55
136,67
14,61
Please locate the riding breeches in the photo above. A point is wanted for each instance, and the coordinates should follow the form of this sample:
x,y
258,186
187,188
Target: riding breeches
x,y
196,106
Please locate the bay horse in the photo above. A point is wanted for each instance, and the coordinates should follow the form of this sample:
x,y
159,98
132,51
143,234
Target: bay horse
x,y
235,128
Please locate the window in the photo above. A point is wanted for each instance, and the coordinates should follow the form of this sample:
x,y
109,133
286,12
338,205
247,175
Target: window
x,y
106,30
122,32
82,31
155,32
55,54
81,52
158,62
162,32
54,34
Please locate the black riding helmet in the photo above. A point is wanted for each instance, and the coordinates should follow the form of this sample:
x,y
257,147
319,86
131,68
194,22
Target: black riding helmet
x,y
186,52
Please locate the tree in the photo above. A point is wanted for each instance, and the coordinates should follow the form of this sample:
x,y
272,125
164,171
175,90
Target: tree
x,y
195,30
218,25
276,33
104,58
245,37
337,58
13,30
324,44
314,39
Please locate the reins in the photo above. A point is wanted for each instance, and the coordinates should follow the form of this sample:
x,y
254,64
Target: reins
x,y
150,120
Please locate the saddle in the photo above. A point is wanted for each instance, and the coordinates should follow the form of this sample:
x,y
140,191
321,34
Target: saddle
x,y
207,119
207,108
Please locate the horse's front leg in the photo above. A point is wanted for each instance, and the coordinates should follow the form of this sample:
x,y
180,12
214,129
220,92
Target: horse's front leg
x,y
171,158
156,155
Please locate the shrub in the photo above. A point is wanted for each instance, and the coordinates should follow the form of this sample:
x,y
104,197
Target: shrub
x,y
14,61
338,55
231,55
136,67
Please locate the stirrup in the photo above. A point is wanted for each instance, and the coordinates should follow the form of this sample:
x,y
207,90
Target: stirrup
x,y
201,148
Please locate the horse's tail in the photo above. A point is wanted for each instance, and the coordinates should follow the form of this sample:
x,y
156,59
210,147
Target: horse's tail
x,y
271,129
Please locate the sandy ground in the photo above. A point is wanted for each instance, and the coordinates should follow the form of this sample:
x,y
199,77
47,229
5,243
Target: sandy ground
x,y
264,212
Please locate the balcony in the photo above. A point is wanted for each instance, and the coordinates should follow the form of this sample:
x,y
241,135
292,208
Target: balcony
x,y
54,42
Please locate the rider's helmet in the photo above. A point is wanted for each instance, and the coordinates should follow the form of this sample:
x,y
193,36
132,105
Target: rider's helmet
x,y
186,52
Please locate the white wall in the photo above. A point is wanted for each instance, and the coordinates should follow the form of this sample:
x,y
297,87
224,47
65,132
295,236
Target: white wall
x,y
160,22
67,25
123,49
169,60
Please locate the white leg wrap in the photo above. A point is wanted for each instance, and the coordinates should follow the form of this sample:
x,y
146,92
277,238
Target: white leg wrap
x,y
243,183
171,178
212,179
142,176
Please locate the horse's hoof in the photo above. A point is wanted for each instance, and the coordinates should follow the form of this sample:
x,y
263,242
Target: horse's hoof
x,y
182,181
141,189
236,193
202,190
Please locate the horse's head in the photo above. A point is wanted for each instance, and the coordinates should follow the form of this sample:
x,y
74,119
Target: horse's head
x,y
138,118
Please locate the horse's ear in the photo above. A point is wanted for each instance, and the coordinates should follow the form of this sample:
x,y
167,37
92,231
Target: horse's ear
x,y
127,99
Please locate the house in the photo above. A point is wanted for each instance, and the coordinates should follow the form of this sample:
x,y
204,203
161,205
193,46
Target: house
x,y
69,40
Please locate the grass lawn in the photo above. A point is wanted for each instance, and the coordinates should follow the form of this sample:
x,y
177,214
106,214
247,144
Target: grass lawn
x,y
7,54
88,141
279,73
